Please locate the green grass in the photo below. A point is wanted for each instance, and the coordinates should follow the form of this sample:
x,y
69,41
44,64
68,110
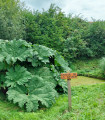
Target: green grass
x,y
89,68
88,103
91,64
81,80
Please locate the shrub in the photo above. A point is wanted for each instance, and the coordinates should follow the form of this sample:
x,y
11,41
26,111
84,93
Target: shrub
x,y
30,73
11,20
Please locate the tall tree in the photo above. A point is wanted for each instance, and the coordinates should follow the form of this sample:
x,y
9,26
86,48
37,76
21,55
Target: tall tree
x,y
11,19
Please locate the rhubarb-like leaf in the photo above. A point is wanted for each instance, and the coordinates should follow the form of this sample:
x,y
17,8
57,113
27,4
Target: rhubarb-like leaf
x,y
36,92
17,76
15,50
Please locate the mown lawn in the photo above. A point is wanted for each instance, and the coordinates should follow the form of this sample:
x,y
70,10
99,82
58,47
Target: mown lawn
x,y
88,103
81,80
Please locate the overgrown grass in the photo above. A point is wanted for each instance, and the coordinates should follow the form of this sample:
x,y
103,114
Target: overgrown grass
x,y
89,68
90,64
88,103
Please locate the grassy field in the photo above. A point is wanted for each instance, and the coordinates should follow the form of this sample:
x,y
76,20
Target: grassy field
x,y
81,80
88,103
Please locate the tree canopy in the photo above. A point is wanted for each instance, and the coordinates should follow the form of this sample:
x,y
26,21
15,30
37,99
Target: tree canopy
x,y
74,37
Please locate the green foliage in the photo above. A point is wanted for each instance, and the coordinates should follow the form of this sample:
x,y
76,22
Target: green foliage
x,y
91,68
60,82
26,74
11,20
3,65
15,50
43,53
102,65
2,80
46,74
46,28
74,47
73,37
36,91
95,38
17,76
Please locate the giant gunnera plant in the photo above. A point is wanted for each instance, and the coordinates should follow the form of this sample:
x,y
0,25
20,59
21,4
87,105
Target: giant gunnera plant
x,y
30,74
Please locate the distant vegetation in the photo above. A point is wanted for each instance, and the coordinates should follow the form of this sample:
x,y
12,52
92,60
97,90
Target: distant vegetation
x,y
73,37
91,68
11,20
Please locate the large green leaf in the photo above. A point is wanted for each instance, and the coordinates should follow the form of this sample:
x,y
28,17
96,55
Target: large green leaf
x,y
43,53
36,91
52,77
3,66
15,50
17,76
1,58
35,61
61,83
46,74
59,61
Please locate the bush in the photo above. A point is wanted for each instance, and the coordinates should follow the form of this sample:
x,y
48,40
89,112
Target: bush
x,y
11,20
30,74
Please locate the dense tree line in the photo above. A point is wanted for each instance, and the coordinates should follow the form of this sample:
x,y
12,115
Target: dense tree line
x,y
73,37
